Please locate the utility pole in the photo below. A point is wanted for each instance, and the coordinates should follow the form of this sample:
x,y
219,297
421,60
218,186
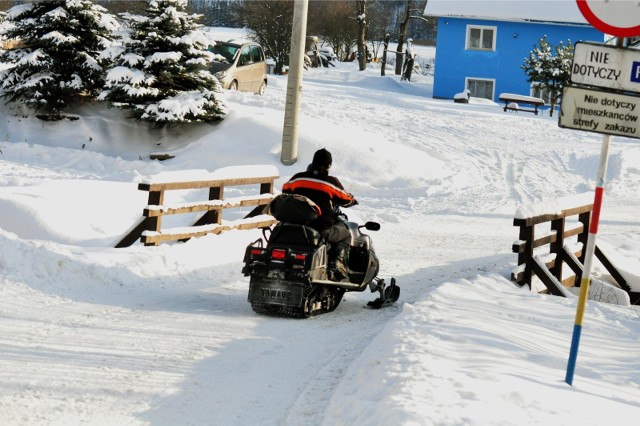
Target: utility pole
x,y
289,153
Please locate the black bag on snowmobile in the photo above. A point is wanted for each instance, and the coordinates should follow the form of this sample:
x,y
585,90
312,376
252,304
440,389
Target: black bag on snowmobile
x,y
292,208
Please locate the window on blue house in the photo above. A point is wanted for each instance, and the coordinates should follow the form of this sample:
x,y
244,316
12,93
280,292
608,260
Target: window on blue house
x,y
480,88
538,91
481,38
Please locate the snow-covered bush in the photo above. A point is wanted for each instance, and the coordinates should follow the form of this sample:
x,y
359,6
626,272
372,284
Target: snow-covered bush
x,y
162,74
55,61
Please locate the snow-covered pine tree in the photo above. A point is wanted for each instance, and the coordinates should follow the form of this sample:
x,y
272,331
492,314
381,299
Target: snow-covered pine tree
x,y
550,67
2,31
162,76
56,59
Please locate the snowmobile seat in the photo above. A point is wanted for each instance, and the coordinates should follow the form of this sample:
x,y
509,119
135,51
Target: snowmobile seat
x,y
289,233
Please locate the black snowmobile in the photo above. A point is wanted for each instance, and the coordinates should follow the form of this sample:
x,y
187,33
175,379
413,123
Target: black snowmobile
x,y
288,270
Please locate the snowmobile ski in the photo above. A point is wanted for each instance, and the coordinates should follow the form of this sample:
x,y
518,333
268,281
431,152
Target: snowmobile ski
x,y
388,295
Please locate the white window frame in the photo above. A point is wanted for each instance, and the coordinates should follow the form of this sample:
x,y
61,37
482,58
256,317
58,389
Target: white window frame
x,y
542,93
492,80
481,28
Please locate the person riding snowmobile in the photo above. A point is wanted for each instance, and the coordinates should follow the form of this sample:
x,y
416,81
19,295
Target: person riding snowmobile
x,y
328,193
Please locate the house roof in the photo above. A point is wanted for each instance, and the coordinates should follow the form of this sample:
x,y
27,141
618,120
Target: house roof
x,y
564,11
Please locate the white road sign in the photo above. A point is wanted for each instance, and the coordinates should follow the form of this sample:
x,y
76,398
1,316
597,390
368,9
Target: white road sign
x,y
620,18
606,66
600,112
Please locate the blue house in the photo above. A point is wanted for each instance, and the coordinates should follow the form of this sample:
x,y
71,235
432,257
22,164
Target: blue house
x,y
481,44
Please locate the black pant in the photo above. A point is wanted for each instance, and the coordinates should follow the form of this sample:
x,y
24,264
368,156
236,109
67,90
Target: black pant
x,y
338,233
339,238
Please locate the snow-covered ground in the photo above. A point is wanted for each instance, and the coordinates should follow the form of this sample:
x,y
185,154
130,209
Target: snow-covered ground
x,y
164,335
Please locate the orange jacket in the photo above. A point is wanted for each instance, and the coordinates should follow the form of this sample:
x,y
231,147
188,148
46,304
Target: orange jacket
x,y
324,190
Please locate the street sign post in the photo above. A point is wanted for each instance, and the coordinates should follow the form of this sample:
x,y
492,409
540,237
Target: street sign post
x,y
601,112
606,66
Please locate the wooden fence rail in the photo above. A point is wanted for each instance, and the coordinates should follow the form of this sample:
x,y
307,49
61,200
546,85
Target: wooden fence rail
x,y
543,253
149,228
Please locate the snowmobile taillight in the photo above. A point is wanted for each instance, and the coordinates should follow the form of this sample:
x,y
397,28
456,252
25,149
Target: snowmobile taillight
x,y
278,254
301,257
257,251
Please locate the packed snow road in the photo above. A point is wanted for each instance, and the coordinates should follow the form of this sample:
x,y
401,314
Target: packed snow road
x,y
164,335
159,338
168,348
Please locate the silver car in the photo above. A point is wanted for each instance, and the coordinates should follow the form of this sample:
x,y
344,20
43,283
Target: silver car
x,y
240,66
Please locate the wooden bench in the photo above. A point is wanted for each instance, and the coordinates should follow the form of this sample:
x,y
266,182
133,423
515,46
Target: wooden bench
x,y
512,102
149,227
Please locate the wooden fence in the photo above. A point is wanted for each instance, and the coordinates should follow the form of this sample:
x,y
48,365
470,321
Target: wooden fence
x,y
548,242
149,228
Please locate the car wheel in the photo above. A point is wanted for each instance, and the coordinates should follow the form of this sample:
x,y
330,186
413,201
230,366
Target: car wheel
x,y
233,85
262,88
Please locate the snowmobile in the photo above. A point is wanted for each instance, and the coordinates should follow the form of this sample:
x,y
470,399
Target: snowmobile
x,y
288,270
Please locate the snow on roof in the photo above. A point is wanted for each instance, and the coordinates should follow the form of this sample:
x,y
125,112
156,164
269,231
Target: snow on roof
x,y
509,10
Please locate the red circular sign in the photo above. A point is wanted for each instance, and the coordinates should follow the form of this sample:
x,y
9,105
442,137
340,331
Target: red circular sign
x,y
620,18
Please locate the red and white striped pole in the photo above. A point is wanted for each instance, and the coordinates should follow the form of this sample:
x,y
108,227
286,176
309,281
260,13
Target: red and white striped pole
x,y
590,250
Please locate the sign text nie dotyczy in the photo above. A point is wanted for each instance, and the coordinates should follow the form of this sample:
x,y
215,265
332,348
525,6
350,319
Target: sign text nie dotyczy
x,y
613,112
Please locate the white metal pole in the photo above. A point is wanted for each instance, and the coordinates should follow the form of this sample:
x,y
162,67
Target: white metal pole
x,y
289,154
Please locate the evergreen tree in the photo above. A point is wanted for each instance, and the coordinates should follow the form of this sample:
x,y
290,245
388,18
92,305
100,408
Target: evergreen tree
x,y
56,60
550,67
162,76
2,31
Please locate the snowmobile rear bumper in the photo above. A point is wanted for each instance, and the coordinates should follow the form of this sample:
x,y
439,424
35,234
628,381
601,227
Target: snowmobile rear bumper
x,y
276,292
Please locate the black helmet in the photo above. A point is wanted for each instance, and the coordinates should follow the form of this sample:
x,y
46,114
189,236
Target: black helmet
x,y
322,158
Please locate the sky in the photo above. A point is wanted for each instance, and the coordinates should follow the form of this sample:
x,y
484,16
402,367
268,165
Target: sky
x,y
540,10
164,335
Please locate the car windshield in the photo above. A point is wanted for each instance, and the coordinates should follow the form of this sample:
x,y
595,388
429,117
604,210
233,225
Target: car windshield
x,y
228,51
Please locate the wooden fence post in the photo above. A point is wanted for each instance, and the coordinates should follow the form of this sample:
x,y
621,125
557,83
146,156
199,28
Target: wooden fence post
x,y
156,198
212,216
526,257
556,247
585,219
265,188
